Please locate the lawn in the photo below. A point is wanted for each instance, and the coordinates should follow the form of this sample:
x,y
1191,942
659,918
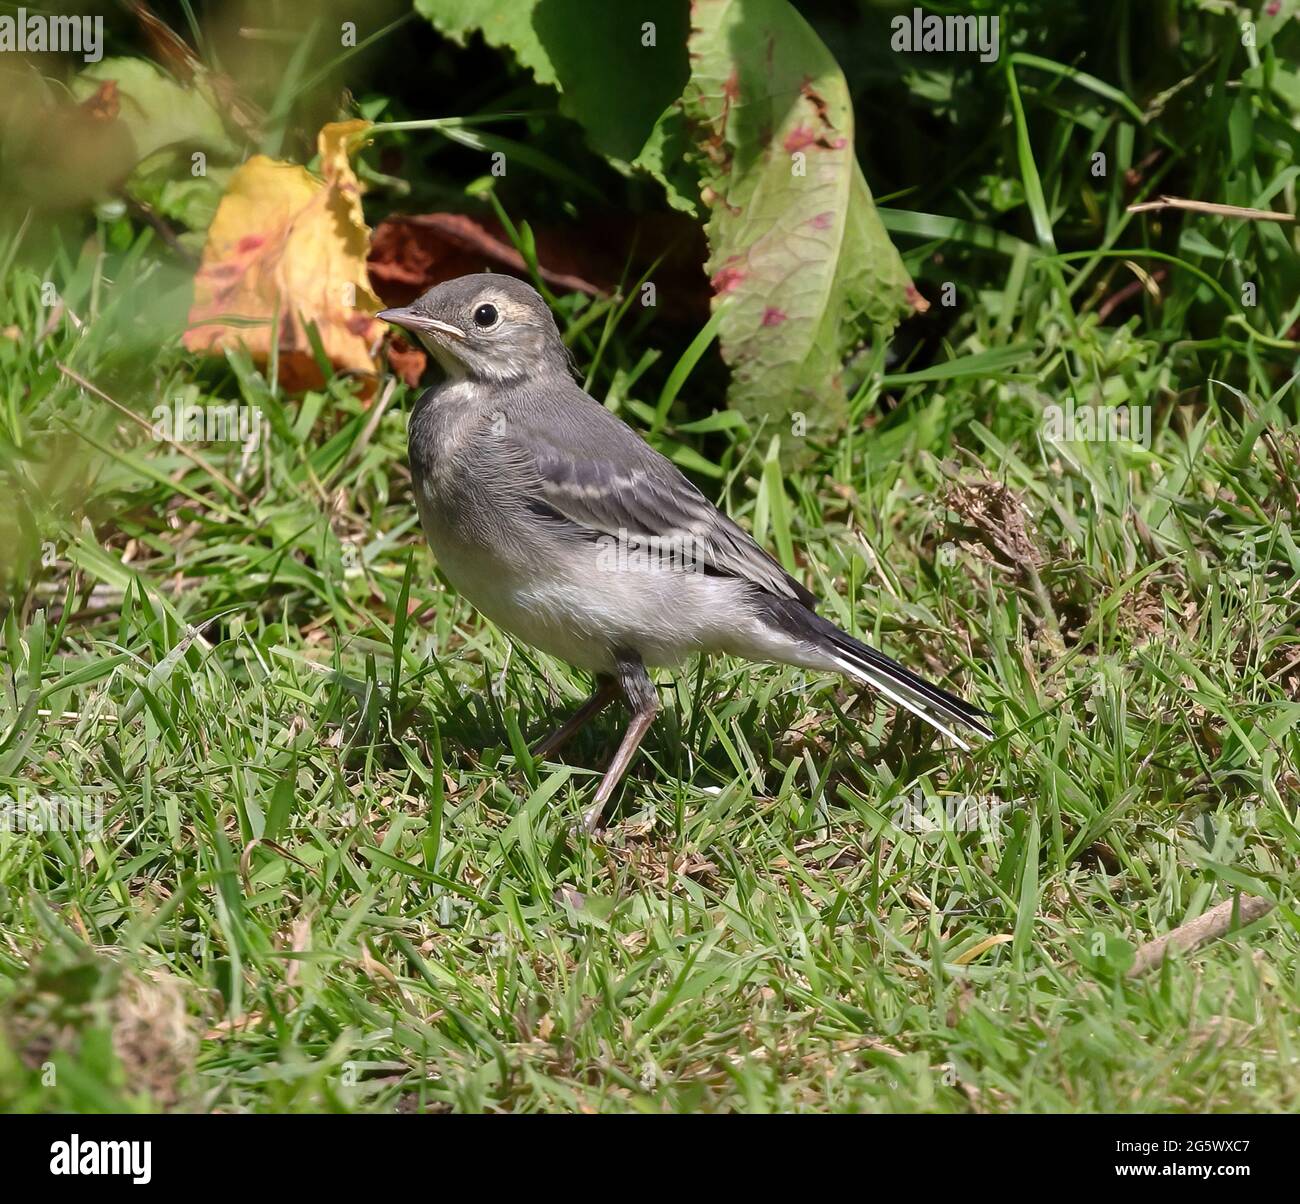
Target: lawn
x,y
324,872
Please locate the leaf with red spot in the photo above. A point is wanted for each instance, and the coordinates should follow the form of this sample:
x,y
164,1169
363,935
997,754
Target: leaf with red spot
x,y
799,255
287,249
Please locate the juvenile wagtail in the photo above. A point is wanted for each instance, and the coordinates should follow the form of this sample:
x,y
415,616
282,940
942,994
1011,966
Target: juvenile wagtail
x,y
568,530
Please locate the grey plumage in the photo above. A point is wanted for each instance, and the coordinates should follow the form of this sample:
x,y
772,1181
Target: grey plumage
x,y
568,530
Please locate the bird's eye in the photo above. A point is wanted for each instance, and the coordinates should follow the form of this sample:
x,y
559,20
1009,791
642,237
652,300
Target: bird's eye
x,y
485,315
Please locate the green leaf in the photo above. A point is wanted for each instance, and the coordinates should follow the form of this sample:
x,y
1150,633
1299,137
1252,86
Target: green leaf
x,y
797,248
590,53
506,26
282,797
666,155
596,50
165,183
167,124
156,110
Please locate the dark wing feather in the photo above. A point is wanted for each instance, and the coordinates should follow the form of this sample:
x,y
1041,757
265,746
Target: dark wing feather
x,y
599,475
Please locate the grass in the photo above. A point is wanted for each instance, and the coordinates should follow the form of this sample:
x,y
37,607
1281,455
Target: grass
x,y
330,877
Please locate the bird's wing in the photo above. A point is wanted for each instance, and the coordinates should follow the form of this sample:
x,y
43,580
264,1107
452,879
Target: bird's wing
x,y
599,475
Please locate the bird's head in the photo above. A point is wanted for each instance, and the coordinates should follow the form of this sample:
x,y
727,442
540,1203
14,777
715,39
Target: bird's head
x,y
486,328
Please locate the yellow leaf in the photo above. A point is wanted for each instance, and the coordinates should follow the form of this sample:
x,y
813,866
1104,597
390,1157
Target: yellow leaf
x,y
983,946
286,249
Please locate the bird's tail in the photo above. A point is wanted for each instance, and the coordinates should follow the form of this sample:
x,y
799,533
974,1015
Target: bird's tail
x,y
864,664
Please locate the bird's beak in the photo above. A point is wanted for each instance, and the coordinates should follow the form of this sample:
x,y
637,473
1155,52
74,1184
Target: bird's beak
x,y
408,319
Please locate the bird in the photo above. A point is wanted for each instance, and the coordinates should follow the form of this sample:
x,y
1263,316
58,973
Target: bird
x,y
566,529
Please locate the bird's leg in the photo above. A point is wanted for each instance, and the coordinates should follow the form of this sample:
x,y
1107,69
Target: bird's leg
x,y
639,691
632,738
605,693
